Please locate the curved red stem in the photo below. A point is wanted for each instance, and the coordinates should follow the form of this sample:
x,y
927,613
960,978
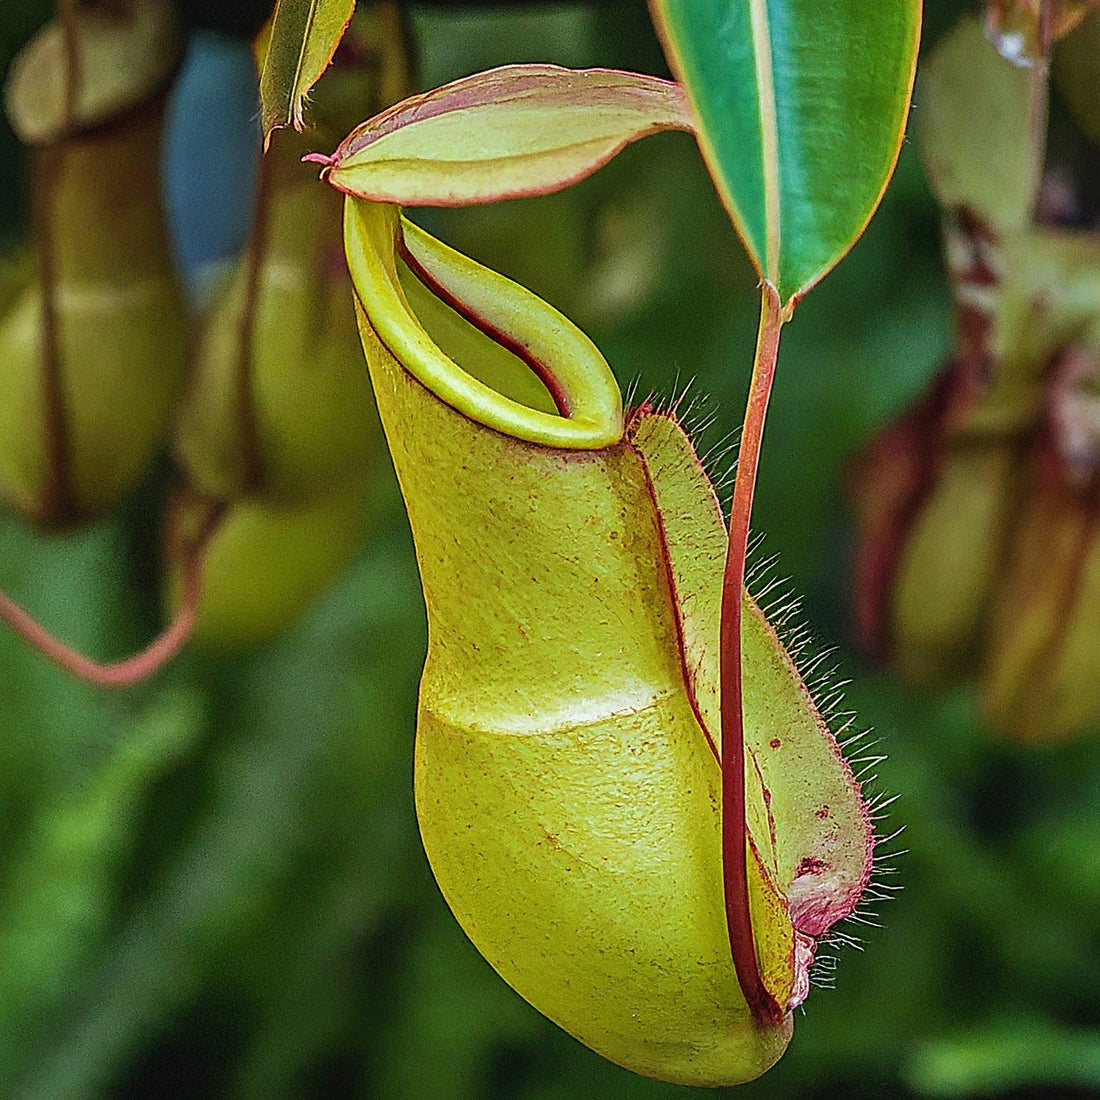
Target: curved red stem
x,y
142,665
734,827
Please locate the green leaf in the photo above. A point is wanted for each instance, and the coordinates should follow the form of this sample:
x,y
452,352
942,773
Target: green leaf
x,y
801,107
513,131
304,36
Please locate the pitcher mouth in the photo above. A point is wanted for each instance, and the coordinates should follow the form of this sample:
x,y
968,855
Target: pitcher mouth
x,y
576,375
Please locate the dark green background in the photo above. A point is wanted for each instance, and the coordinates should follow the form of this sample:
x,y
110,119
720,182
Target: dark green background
x,y
212,886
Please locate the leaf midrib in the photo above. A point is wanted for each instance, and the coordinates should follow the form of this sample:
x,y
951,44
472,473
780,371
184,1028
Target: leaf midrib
x,y
295,96
769,134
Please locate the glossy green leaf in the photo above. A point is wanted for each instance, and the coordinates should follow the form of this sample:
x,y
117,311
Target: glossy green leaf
x,y
513,131
567,775
304,36
801,106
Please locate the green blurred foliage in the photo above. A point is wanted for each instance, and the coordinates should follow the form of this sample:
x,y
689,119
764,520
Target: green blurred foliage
x,y
212,886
